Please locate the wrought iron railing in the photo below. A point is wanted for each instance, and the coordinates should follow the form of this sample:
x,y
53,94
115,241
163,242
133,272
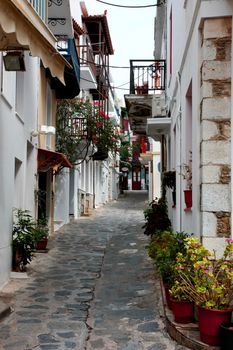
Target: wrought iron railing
x,y
40,6
147,76
87,56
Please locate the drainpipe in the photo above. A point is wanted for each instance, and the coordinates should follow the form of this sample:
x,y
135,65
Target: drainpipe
x,y
180,139
231,135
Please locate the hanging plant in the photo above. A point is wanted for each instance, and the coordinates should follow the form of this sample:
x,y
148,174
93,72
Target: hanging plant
x,y
80,124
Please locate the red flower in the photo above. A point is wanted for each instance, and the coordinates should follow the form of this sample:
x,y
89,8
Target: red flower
x,y
99,124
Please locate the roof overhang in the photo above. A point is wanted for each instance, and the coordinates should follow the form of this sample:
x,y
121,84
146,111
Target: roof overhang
x,y
92,24
139,109
156,127
22,29
49,159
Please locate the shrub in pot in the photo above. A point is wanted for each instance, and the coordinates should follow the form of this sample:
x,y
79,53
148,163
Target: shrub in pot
x,y
156,216
23,239
207,280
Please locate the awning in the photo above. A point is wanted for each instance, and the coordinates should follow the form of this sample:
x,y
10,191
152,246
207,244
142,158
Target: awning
x,y
72,74
22,29
49,159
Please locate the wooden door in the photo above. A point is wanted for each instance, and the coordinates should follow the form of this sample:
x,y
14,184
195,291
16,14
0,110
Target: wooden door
x,y
136,180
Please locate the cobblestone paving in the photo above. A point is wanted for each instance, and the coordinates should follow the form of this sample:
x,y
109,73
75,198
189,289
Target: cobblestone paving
x,y
94,289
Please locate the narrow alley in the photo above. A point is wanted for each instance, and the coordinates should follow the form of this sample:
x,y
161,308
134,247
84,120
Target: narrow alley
x,y
94,289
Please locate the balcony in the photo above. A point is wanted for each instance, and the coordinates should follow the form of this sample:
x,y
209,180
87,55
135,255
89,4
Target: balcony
x,y
88,66
23,27
40,6
71,75
59,18
147,76
146,98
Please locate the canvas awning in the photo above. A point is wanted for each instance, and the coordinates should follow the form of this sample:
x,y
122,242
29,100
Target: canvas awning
x,y
22,29
49,159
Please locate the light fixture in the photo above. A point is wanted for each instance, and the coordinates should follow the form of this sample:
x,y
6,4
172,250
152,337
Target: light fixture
x,y
14,61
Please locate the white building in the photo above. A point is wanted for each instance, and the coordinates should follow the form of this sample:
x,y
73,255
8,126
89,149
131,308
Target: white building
x,y
195,38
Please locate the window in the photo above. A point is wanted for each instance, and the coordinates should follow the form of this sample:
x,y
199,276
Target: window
x,y
170,52
19,94
49,114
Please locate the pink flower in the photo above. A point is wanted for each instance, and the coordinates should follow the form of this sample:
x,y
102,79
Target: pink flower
x,y
96,104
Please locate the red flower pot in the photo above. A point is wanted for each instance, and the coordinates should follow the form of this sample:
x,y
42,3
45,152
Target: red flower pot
x,y
183,311
41,245
167,295
188,198
209,324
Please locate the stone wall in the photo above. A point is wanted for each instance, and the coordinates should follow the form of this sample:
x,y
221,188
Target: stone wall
x,y
216,127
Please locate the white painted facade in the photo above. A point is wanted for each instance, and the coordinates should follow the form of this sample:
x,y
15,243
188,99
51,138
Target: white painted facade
x,y
18,151
200,112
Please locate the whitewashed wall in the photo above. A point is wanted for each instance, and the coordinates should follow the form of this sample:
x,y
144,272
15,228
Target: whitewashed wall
x,y
17,152
188,58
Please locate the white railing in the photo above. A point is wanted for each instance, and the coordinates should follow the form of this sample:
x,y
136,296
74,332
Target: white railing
x,y
40,6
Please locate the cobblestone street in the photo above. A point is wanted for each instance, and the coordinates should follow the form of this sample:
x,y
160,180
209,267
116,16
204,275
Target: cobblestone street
x,y
94,289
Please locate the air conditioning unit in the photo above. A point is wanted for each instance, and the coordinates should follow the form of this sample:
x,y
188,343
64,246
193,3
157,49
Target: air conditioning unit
x,y
47,130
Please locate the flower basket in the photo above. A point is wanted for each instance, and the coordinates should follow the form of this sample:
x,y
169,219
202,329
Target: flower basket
x,y
209,324
183,311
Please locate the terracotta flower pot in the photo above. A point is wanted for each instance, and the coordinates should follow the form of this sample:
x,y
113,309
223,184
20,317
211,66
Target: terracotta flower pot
x,y
209,324
183,311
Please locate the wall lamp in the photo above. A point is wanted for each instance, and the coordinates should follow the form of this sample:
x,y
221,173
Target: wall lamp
x,y
14,61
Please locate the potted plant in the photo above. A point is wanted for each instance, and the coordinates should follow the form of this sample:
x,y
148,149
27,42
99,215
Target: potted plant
x,y
207,280
187,175
182,307
156,217
23,239
163,248
169,181
41,231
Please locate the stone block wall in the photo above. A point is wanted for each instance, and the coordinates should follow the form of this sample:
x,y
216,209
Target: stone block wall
x,y
216,128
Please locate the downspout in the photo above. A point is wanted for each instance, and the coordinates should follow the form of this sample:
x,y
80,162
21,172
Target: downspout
x,y
180,139
231,133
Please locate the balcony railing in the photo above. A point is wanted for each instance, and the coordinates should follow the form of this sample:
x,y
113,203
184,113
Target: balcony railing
x,y
40,6
147,76
87,57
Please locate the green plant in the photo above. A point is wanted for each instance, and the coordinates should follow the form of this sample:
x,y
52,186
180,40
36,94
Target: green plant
x,y
23,239
156,217
168,181
163,249
40,229
26,233
79,125
206,279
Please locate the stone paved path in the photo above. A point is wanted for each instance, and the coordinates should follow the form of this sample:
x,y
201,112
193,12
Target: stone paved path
x,y
94,289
